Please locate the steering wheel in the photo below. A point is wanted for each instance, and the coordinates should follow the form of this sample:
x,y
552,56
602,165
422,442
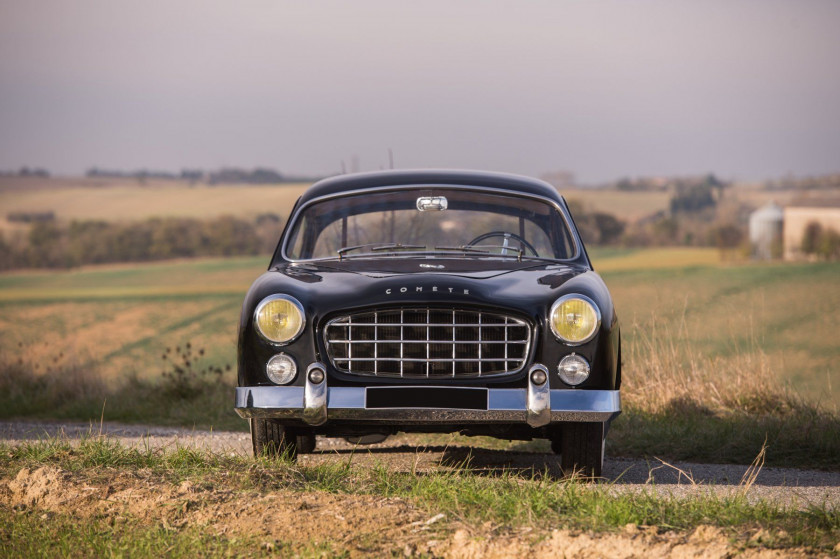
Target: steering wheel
x,y
507,236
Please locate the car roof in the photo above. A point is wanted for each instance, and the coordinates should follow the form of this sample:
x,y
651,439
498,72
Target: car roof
x,y
415,177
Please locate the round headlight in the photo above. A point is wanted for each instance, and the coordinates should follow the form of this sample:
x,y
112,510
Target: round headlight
x,y
281,369
574,319
279,318
573,369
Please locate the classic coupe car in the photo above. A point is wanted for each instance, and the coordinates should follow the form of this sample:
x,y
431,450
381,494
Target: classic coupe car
x,y
430,301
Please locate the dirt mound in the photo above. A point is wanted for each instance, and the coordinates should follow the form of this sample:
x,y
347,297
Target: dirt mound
x,y
706,542
46,488
359,524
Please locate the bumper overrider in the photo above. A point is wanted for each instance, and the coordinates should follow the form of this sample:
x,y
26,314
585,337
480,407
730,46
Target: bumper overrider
x,y
315,403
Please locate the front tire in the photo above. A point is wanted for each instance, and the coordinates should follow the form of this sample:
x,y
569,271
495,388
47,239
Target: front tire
x,y
581,448
269,438
306,443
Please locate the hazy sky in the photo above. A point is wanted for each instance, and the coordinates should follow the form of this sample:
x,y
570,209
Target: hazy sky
x,y
603,89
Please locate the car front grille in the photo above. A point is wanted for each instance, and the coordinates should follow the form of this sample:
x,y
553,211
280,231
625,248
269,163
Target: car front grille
x,y
428,343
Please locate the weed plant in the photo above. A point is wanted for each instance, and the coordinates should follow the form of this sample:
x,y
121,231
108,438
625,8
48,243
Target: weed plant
x,y
188,392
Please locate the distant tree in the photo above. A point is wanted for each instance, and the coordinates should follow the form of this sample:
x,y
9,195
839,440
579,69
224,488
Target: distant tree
x,y
609,227
46,247
811,237
820,241
7,256
830,245
693,198
715,184
666,230
726,236
89,242
624,184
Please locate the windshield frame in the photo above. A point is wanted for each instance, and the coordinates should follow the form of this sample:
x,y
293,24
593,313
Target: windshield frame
x,y
287,233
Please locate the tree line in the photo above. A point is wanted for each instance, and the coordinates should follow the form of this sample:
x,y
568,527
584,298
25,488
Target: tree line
x,y
50,244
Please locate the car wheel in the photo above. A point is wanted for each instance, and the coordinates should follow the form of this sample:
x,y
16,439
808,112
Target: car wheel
x,y
305,443
581,447
272,439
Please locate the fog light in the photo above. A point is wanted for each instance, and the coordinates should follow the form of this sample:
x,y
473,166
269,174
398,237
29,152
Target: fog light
x,y
538,377
281,369
573,369
316,375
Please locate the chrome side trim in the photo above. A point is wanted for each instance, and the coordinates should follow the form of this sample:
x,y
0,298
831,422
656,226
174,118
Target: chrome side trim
x,y
315,397
504,405
539,399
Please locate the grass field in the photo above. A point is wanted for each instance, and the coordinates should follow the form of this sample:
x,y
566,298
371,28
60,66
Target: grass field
x,y
125,200
780,313
704,344
120,319
631,206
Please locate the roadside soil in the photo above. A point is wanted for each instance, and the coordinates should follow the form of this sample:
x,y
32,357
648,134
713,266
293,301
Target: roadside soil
x,y
368,525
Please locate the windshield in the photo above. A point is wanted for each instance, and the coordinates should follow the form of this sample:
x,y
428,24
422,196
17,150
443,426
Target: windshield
x,y
430,220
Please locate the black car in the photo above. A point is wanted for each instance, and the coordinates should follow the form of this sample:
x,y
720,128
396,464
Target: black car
x,y
430,301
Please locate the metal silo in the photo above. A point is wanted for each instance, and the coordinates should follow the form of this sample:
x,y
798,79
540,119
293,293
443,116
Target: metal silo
x,y
766,231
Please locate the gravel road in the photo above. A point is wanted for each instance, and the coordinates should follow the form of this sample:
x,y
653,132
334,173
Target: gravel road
x,y
792,487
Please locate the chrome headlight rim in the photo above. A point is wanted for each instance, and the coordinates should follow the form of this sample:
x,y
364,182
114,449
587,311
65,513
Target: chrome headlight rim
x,y
585,299
268,300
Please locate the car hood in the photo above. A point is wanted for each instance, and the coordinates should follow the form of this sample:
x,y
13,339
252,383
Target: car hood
x,y
476,268
323,288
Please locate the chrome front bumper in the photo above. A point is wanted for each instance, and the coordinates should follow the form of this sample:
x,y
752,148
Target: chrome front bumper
x,y
536,405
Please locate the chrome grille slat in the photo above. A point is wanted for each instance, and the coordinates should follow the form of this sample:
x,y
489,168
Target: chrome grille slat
x,y
453,343
428,343
394,341
428,318
479,343
417,360
423,324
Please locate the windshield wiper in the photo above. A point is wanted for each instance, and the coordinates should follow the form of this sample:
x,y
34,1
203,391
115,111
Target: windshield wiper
x,y
482,250
398,246
378,247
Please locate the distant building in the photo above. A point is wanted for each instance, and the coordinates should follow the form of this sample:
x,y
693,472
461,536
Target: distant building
x,y
799,216
766,231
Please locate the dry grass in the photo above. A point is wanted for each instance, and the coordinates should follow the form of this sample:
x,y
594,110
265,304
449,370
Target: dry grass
x,y
189,389
128,201
630,206
708,351
714,322
665,369
657,258
687,405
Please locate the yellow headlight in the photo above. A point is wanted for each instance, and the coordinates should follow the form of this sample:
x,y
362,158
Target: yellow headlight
x,y
574,319
279,318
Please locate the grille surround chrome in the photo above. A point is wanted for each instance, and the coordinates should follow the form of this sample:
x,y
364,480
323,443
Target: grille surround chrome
x,y
382,343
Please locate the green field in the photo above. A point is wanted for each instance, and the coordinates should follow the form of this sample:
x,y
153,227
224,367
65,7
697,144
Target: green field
x,y
715,356
119,320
